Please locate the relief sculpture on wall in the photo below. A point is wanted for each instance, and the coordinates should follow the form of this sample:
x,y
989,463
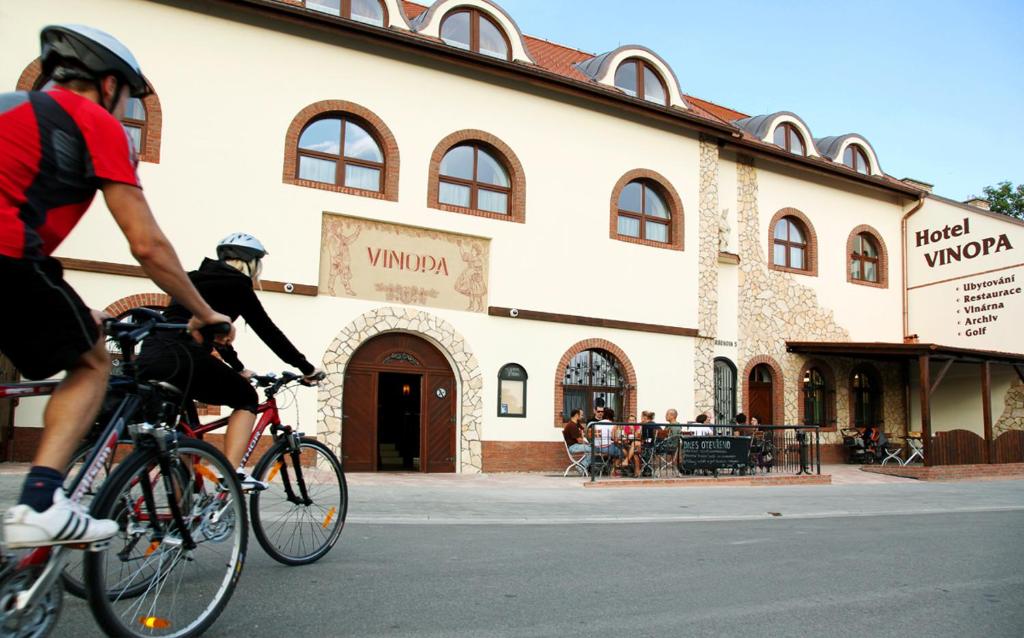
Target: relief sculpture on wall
x,y
368,259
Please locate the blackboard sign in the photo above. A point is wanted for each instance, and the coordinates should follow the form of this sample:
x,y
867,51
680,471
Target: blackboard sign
x,y
715,452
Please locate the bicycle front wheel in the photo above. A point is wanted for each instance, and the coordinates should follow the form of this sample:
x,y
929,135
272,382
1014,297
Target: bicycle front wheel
x,y
151,580
300,516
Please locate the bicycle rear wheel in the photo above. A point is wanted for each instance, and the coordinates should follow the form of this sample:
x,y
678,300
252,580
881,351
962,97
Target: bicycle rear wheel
x,y
148,582
296,527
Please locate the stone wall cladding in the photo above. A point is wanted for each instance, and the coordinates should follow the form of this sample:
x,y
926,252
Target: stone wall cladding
x,y
517,203
775,308
378,129
422,324
707,278
590,344
676,240
1012,417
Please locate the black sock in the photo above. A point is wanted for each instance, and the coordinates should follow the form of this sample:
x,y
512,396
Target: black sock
x,y
40,484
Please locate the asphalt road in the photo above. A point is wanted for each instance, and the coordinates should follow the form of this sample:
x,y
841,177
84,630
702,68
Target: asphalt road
x,y
828,566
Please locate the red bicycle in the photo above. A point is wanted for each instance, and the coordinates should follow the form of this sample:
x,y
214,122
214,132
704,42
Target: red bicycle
x,y
300,516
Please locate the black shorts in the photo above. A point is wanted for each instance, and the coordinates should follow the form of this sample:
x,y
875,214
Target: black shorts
x,y
45,327
192,369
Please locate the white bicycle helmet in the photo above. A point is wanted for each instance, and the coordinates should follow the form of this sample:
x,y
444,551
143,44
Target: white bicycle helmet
x,y
240,246
97,52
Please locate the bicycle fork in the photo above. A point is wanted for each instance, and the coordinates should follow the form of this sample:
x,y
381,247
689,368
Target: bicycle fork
x,y
295,452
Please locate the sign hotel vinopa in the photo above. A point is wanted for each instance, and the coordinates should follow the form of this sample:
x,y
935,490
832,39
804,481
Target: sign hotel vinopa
x,y
368,259
965,278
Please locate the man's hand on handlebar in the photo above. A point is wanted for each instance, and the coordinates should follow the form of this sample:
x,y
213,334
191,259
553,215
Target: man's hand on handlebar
x,y
314,378
214,321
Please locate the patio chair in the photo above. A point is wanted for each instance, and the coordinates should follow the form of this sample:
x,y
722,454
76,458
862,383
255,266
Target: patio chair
x,y
575,462
916,447
892,453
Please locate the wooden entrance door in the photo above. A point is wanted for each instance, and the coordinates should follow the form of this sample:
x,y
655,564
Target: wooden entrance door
x,y
407,354
760,390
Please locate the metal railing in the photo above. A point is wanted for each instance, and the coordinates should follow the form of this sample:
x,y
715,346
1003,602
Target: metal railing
x,y
654,450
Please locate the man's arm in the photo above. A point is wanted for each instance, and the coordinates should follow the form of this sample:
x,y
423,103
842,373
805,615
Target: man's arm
x,y
155,254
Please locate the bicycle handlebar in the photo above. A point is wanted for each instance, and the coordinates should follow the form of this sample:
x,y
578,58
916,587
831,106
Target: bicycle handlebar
x,y
274,383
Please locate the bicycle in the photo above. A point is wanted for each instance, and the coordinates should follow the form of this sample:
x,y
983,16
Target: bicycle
x,y
192,532
301,515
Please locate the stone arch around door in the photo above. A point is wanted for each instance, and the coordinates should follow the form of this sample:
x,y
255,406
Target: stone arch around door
x,y
437,331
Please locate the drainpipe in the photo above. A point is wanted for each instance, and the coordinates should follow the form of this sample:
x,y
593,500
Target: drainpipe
x,y
903,249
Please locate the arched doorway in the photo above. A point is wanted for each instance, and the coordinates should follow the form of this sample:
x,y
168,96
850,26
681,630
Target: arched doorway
x,y
592,378
398,411
760,391
725,390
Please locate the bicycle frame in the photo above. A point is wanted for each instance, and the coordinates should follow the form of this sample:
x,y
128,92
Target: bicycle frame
x,y
268,416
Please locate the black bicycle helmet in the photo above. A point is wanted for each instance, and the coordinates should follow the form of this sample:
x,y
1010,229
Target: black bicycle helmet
x,y
98,52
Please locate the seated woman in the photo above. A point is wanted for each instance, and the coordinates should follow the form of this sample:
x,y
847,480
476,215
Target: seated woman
x,y
605,434
227,285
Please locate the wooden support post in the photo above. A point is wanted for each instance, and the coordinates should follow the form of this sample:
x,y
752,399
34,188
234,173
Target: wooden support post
x,y
925,382
986,410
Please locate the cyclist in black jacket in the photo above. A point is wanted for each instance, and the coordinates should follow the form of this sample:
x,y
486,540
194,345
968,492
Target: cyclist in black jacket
x,y
227,285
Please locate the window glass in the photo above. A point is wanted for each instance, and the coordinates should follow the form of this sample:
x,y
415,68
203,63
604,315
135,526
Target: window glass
x,y
656,232
781,229
780,136
489,170
848,156
317,170
625,78
368,11
631,197
458,162
492,202
323,136
795,234
855,268
629,226
654,90
796,143
454,194
796,258
134,110
455,30
332,7
867,247
492,41
135,134
862,161
654,205
360,145
779,255
362,177
870,271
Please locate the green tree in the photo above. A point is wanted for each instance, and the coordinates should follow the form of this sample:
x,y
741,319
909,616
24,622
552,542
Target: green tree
x,y
1006,199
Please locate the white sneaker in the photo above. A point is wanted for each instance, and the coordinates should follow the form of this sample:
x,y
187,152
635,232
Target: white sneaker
x,y
63,523
251,483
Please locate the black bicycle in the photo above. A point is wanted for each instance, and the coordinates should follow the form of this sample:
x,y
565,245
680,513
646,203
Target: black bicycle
x,y
180,548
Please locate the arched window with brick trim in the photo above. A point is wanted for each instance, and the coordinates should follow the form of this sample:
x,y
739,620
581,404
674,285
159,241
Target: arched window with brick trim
x,y
475,173
343,147
818,395
866,395
142,119
646,209
792,243
867,258
594,372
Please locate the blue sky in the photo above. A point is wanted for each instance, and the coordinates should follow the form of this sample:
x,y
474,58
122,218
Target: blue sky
x,y
936,86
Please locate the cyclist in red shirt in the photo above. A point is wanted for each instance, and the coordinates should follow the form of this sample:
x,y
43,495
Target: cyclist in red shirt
x,y
57,148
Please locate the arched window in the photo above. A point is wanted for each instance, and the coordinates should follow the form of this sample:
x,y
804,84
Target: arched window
x,y
472,176
644,212
593,377
134,121
340,150
788,137
366,11
761,394
789,241
855,157
818,393
864,258
512,390
645,209
639,79
865,397
474,30
725,391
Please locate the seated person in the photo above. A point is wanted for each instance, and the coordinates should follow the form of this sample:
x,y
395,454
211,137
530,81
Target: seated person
x,y
574,438
604,433
672,418
742,428
699,428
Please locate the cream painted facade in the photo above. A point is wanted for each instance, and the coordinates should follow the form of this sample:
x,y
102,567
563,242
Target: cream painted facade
x,y
230,89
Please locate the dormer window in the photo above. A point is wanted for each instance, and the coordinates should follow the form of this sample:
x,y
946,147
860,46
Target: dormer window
x,y
365,11
855,157
473,30
638,79
787,137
